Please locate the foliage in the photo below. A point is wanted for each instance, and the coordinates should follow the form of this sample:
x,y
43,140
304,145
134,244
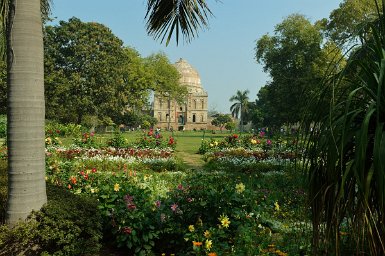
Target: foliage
x,y
3,126
221,121
240,107
67,225
3,188
3,87
53,128
84,66
345,154
186,17
117,141
154,139
345,23
165,78
295,58
87,140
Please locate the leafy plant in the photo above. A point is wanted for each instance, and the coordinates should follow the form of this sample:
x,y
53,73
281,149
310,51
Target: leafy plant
x,y
67,225
347,173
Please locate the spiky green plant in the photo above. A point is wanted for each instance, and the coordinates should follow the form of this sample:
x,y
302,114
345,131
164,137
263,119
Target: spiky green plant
x,y
346,151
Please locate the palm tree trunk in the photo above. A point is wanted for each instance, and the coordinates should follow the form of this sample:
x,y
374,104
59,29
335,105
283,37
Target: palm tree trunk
x,y
26,162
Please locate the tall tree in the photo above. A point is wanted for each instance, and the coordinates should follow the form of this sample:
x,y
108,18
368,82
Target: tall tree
x,y
85,63
295,59
345,24
239,108
22,21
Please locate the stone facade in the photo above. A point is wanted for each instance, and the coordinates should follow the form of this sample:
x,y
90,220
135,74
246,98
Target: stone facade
x,y
192,114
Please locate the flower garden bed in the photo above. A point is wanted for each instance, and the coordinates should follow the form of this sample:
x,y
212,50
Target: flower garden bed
x,y
150,205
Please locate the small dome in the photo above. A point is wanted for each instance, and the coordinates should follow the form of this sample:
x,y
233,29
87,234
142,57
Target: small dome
x,y
189,76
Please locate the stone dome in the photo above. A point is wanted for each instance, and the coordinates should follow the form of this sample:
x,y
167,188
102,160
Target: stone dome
x,y
189,76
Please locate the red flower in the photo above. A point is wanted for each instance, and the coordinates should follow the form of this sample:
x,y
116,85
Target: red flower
x,y
127,230
235,136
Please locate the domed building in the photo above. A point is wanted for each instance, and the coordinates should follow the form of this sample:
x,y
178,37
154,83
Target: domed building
x,y
190,115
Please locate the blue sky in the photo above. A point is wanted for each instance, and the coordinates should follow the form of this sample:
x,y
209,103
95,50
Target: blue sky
x,y
223,54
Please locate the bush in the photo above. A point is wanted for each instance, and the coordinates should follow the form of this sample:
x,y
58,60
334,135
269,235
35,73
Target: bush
x,y
117,141
67,225
3,126
3,189
54,129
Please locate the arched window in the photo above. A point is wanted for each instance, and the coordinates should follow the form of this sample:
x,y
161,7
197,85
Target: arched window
x,y
195,104
194,117
202,119
203,104
160,104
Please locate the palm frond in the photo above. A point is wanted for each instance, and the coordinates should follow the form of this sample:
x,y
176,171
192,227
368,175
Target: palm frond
x,y
182,16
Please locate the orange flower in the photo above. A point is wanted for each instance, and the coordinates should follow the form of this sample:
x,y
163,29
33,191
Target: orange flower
x,y
73,180
212,254
197,243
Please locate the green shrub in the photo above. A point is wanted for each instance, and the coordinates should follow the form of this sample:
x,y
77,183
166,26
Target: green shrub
x,y
67,225
54,129
3,126
117,141
3,189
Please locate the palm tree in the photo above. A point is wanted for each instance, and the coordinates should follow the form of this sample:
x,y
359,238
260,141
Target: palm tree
x,y
21,19
239,108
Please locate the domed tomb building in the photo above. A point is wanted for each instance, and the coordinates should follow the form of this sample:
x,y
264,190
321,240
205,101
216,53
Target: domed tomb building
x,y
192,114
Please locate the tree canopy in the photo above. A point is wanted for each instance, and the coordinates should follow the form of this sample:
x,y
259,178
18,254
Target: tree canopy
x,y
90,73
296,59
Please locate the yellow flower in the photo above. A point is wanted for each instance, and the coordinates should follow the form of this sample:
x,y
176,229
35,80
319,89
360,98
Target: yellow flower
x,y
253,141
216,143
240,188
224,221
211,145
116,187
208,244
191,228
207,234
276,206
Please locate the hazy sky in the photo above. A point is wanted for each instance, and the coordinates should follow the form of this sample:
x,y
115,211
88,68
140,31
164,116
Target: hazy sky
x,y
223,55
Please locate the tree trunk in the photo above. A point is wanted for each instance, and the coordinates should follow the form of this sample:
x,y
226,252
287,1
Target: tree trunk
x,y
26,113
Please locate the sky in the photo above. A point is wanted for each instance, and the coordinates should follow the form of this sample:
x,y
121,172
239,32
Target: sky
x,y
223,54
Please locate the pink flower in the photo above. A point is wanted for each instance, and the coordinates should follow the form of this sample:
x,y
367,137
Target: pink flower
x,y
157,203
268,142
180,187
174,207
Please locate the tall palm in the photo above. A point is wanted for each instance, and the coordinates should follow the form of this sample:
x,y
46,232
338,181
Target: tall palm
x,y
239,108
21,19
25,79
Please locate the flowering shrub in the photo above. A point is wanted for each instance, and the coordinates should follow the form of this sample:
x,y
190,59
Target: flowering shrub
x,y
54,129
87,140
155,139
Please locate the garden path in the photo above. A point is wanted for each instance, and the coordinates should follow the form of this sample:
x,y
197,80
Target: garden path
x,y
192,160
